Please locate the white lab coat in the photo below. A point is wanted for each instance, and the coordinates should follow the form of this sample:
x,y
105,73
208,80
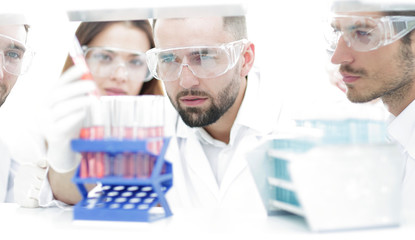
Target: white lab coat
x,y
402,129
194,183
8,169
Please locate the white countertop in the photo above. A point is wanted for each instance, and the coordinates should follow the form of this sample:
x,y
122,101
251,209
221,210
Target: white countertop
x,y
55,223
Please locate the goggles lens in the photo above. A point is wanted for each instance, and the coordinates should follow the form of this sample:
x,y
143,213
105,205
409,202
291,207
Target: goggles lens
x,y
203,61
15,57
365,34
104,61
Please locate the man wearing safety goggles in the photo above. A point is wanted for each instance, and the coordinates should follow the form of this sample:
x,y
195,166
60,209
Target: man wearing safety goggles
x,y
14,57
376,54
204,64
14,60
203,82
216,113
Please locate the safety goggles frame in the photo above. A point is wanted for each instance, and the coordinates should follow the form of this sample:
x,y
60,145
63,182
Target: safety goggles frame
x,y
87,49
233,51
390,29
26,59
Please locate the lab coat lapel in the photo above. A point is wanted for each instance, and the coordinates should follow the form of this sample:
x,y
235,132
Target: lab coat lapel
x,y
197,161
238,163
259,122
4,171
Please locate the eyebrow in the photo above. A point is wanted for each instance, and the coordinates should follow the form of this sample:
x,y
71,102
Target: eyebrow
x,y
136,54
129,54
107,50
201,50
17,46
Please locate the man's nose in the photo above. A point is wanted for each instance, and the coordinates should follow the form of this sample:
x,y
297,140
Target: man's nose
x,y
187,78
343,53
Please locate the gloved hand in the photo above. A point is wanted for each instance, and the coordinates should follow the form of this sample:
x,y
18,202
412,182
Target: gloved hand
x,y
28,182
67,111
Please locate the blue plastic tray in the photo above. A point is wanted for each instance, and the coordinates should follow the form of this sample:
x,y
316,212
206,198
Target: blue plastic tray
x,y
124,199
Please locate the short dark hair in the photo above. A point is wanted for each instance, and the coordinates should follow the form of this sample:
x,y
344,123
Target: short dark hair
x,y
235,25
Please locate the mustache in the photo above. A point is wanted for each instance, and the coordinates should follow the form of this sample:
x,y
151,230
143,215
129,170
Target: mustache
x,y
192,93
348,69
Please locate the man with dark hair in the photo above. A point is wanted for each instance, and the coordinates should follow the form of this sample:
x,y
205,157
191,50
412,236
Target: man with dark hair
x,y
375,48
216,113
204,64
14,60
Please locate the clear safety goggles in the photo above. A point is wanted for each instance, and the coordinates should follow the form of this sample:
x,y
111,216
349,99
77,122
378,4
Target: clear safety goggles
x,y
364,33
104,61
203,61
15,56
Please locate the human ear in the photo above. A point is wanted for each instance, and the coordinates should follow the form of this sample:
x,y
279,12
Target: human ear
x,y
248,59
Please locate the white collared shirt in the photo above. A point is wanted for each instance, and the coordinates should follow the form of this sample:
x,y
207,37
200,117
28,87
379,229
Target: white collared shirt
x,y
402,130
208,173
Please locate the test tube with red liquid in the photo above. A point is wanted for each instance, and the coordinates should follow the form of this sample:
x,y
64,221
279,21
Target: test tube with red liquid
x,y
92,163
98,133
124,118
126,105
150,119
107,106
85,134
77,56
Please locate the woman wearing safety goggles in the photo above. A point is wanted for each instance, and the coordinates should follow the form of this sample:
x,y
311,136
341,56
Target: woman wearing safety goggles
x,y
115,54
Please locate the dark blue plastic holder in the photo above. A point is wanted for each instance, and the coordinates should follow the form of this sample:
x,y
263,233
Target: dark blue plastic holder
x,y
124,199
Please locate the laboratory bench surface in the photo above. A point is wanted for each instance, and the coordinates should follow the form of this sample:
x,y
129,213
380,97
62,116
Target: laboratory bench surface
x,y
56,223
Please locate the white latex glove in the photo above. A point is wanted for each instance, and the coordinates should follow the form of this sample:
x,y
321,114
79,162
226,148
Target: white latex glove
x,y
28,182
67,110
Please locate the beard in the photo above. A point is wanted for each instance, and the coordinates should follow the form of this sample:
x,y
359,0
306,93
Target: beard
x,y
391,87
3,94
200,117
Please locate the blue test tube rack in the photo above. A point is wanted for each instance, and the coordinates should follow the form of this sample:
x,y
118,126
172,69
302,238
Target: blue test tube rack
x,y
138,195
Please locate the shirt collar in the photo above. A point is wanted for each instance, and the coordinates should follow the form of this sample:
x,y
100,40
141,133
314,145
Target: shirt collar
x,y
402,128
251,114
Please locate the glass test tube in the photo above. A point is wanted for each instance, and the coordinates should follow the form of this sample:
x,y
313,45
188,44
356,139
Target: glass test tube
x,y
122,118
96,160
143,119
85,134
117,135
150,114
107,113
127,125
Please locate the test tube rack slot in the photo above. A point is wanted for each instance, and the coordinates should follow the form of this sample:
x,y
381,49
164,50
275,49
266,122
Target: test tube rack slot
x,y
137,199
